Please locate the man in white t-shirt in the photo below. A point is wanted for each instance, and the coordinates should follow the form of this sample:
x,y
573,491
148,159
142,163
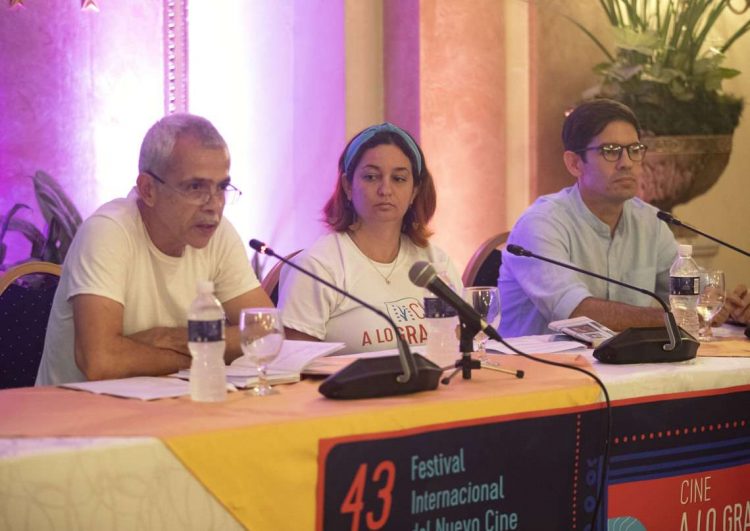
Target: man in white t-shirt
x,y
130,275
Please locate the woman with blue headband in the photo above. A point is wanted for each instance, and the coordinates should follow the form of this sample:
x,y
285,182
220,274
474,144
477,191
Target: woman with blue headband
x,y
378,216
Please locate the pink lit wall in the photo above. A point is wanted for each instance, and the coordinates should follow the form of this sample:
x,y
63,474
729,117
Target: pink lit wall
x,y
271,76
401,76
77,91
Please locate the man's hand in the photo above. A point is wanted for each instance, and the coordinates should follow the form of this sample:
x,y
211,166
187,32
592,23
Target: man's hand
x,y
738,304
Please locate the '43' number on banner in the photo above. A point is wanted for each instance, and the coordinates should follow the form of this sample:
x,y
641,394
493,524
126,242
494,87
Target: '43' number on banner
x,y
383,477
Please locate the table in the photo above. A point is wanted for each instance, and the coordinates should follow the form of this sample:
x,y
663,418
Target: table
x,y
491,453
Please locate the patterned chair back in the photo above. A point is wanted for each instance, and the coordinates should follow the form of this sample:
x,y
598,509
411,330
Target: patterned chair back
x,y
26,294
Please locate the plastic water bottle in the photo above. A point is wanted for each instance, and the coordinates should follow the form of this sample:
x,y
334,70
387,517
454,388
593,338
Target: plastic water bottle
x,y
207,345
684,285
441,322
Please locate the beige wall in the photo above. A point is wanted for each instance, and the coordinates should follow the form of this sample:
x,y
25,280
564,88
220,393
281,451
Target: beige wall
x,y
363,24
562,64
463,119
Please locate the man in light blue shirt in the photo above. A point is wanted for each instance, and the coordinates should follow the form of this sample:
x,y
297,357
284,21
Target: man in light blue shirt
x,y
597,224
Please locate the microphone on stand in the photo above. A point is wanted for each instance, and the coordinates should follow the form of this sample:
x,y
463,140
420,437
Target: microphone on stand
x,y
634,345
371,377
670,219
423,274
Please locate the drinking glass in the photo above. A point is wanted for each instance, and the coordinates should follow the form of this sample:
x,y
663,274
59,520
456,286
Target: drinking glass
x,y
261,336
486,301
710,300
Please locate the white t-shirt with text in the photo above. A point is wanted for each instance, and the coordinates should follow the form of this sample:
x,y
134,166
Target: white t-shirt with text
x,y
314,309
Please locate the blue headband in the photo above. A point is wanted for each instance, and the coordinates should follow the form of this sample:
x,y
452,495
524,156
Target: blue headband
x,y
367,134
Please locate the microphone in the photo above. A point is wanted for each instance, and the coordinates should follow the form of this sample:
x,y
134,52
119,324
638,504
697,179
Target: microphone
x,y
634,345
670,219
423,274
371,377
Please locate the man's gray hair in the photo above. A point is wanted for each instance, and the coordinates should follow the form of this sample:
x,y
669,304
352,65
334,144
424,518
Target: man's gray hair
x,y
157,145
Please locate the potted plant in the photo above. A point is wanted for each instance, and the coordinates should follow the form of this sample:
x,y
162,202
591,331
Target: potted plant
x,y
668,67
61,216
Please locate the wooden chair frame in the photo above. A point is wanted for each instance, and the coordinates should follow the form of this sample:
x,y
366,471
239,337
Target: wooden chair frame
x,y
270,281
480,255
28,268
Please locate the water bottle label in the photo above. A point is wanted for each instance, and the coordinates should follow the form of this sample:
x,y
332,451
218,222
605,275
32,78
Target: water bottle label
x,y
205,331
684,285
434,307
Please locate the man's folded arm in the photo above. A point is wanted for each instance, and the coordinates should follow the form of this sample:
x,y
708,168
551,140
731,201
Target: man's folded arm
x,y
103,352
618,315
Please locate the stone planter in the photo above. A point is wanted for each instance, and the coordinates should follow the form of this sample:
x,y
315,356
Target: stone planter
x,y
679,168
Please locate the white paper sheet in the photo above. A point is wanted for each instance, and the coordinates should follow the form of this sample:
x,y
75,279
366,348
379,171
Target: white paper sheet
x,y
544,344
141,387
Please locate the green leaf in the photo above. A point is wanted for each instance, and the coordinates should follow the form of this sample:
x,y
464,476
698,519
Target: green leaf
x,y
644,43
663,76
53,201
668,63
63,218
28,230
4,227
623,73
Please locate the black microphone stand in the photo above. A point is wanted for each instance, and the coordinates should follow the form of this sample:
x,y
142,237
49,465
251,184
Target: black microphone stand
x,y
465,364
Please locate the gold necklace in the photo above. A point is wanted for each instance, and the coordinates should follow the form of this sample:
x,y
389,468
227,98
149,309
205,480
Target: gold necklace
x,y
387,277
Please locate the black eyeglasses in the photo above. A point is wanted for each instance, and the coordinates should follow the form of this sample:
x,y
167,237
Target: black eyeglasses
x,y
200,191
613,152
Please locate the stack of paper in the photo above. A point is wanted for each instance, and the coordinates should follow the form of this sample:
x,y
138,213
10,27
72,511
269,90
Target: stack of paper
x,y
544,344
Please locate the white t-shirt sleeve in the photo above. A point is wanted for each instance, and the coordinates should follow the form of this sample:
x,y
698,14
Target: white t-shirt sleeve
x,y
306,304
97,263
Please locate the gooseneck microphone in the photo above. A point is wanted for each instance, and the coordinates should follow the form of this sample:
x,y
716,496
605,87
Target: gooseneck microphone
x,y
670,219
371,377
423,274
634,345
